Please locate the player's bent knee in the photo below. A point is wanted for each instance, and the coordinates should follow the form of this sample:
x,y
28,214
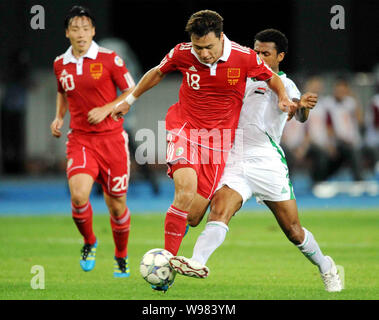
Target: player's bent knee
x,y
80,189
217,214
220,211
117,210
79,198
183,198
116,205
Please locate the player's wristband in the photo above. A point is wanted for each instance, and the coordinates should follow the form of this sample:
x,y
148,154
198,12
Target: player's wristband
x,y
130,99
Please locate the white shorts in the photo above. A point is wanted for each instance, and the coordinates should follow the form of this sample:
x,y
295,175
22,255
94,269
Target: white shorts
x,y
265,177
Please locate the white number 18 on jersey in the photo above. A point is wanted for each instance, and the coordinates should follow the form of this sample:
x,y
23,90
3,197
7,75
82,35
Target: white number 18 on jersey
x,y
193,80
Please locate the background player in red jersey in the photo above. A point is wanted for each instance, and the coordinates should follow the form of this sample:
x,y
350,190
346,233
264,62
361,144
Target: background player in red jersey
x,y
97,148
210,98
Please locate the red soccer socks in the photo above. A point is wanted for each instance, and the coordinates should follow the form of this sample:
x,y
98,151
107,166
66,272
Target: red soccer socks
x,y
120,229
82,216
175,227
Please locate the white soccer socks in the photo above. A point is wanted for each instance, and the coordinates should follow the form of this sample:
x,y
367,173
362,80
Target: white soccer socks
x,y
209,240
312,251
326,265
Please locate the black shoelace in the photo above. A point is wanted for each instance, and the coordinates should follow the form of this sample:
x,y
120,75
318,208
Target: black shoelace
x,y
86,250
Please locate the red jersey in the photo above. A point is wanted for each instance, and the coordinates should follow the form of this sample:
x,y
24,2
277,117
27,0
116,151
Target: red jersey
x,y
210,96
91,81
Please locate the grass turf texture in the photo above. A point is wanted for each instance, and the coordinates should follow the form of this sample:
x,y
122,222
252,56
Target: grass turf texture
x,y
256,261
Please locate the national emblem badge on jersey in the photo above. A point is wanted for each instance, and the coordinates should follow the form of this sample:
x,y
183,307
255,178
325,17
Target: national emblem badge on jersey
x,y
233,75
118,61
259,60
96,70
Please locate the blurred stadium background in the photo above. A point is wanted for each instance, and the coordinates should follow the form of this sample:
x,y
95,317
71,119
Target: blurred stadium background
x,y
341,63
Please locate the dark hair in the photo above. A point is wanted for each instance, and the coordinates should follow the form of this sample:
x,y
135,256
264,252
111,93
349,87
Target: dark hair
x,y
342,79
273,35
78,11
203,22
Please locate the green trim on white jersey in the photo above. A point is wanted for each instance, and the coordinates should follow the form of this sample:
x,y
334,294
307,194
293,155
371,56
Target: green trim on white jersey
x,y
284,161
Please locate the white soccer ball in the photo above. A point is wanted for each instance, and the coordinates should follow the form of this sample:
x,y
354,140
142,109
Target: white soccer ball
x,y
155,267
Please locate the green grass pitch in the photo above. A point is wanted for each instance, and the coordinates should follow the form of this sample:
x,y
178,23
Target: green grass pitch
x,y
256,261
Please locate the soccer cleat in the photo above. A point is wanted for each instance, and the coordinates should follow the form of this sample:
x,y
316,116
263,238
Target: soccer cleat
x,y
121,267
188,267
88,258
331,278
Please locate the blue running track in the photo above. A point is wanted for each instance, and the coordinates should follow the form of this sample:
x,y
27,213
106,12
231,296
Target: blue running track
x,y
50,196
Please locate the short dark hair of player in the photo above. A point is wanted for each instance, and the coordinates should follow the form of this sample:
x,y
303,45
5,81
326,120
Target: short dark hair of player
x,y
273,35
203,22
78,11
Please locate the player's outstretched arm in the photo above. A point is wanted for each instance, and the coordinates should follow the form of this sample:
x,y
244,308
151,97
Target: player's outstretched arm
x,y
285,104
62,107
96,115
307,102
149,80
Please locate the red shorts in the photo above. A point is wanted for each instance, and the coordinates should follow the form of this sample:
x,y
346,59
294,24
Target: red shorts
x,y
104,157
208,164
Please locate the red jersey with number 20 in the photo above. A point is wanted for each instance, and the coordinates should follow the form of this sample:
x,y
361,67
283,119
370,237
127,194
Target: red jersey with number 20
x,y
210,96
89,82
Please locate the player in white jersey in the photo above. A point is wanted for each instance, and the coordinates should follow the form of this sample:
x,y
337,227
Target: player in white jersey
x,y
260,170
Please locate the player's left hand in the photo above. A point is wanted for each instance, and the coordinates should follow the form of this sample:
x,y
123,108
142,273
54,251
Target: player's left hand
x,y
119,110
96,115
308,100
286,105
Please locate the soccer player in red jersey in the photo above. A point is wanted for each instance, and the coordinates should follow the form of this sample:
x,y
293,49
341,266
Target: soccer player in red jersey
x,y
202,123
97,149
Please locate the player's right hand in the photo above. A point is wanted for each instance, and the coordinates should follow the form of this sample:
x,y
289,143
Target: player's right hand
x,y
288,106
119,110
55,127
308,100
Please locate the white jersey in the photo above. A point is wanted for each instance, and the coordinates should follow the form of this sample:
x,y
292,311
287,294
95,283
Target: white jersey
x,y
261,169
260,115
